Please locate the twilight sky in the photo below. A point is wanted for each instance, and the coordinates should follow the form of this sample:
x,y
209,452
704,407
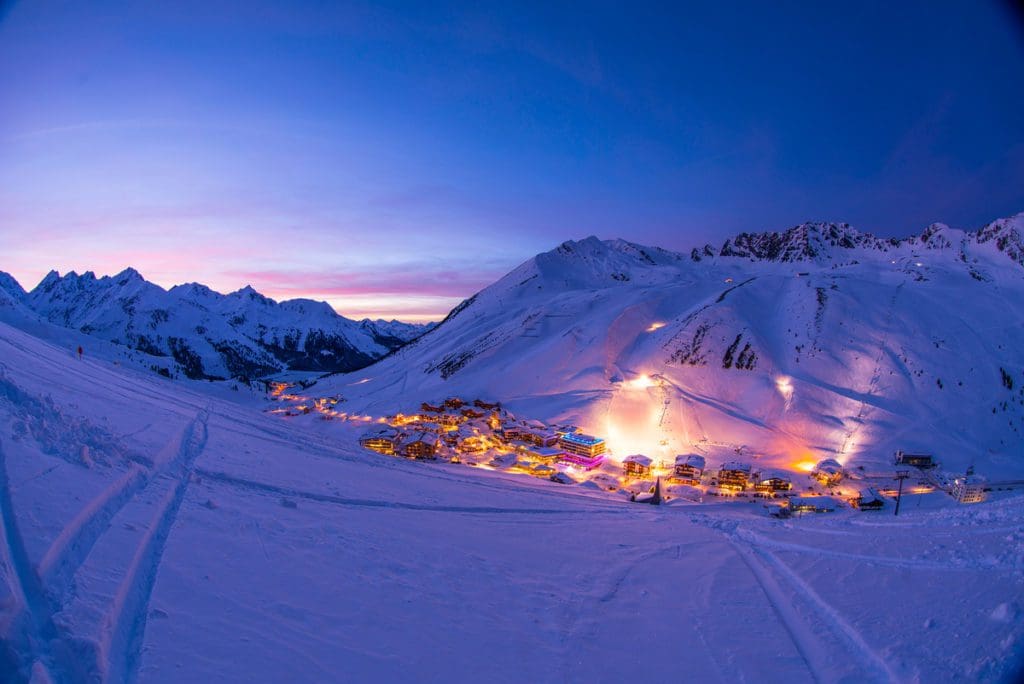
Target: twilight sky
x,y
393,158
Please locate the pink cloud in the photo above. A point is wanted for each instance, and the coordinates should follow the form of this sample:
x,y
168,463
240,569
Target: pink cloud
x,y
409,281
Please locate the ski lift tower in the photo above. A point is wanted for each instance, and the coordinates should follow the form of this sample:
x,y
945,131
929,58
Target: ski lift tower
x,y
901,475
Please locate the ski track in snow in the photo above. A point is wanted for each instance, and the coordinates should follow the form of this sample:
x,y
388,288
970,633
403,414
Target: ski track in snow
x,y
43,589
126,622
77,538
22,577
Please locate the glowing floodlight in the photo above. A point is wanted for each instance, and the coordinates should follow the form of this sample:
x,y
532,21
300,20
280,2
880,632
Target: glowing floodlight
x,y
784,384
640,382
657,325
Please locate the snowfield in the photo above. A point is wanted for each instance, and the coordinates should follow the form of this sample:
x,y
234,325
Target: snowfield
x,y
169,531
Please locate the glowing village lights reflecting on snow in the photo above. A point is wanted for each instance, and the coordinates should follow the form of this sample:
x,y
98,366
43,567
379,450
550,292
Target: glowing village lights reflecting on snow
x,y
633,419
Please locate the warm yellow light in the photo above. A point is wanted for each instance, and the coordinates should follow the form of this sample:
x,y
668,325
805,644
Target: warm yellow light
x,y
784,384
806,466
657,325
640,382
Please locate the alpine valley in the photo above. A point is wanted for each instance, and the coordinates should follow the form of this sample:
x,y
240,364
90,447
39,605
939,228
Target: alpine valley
x,y
158,526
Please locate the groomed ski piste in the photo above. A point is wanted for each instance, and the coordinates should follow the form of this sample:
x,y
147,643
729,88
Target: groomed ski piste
x,y
161,531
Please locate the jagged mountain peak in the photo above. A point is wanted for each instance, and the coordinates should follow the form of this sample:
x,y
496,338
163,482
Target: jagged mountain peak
x,y
593,246
249,292
74,279
591,263
941,236
48,281
1007,234
128,275
11,286
193,290
809,241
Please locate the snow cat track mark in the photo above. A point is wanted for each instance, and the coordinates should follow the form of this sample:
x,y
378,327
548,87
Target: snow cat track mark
x,y
764,543
814,653
805,616
265,488
126,621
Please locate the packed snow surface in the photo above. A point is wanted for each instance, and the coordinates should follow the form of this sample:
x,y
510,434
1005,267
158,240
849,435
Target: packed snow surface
x,y
156,531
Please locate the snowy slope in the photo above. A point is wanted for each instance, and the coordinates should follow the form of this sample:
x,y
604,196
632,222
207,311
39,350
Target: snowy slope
x,y
209,334
154,534
816,342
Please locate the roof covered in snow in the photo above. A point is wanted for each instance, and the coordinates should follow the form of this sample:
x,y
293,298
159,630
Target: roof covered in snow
x,y
695,460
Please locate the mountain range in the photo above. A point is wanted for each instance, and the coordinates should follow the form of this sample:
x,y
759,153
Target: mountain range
x,y
208,334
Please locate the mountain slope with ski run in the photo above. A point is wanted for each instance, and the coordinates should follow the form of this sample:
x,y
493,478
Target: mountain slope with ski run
x,y
208,334
153,532
820,341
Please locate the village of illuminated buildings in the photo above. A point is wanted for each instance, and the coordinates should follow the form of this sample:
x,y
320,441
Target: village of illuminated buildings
x,y
482,434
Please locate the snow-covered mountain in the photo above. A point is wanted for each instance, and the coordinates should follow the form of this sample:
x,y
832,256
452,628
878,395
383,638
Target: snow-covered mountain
x,y
241,334
819,341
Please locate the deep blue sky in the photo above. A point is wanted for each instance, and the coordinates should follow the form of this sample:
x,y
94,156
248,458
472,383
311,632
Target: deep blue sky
x,y
395,157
